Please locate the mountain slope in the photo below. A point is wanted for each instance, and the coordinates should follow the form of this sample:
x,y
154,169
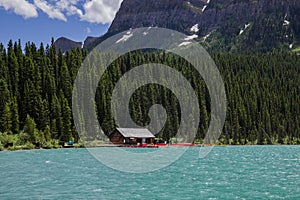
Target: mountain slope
x,y
66,44
226,25
221,25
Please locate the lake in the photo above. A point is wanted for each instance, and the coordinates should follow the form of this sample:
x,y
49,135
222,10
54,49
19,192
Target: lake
x,y
233,172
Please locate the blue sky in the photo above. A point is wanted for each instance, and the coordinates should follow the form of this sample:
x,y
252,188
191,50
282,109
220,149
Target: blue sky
x,y
40,20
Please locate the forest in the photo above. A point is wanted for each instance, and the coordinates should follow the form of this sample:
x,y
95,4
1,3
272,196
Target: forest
x,y
36,84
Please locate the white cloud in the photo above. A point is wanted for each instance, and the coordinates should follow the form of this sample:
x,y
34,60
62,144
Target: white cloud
x,y
69,6
20,7
94,11
50,10
100,11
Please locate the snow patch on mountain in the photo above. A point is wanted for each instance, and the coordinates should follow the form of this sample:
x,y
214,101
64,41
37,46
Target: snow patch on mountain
x,y
184,44
191,37
125,37
195,28
243,29
286,22
207,36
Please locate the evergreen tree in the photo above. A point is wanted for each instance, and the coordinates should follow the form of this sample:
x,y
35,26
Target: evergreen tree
x,y
5,113
15,116
66,120
30,129
36,94
5,119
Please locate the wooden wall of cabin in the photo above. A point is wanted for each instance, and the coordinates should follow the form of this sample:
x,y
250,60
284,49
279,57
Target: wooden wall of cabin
x,y
117,138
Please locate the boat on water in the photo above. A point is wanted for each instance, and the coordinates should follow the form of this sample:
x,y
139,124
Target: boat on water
x,y
141,146
160,145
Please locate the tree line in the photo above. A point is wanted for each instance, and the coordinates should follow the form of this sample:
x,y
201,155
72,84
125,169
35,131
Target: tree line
x,y
36,86
35,94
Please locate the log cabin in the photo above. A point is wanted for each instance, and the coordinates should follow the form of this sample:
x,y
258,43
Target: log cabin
x,y
132,136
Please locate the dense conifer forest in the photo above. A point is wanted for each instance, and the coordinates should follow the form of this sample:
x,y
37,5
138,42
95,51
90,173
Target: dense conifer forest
x,y
36,83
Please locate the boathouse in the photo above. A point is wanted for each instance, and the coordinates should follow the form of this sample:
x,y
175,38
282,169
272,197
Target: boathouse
x,y
132,136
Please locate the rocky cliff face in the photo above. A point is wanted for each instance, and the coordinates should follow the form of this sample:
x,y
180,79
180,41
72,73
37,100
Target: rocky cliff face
x,y
223,25
66,44
220,25
175,14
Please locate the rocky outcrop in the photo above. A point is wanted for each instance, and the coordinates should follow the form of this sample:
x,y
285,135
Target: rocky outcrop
x,y
89,40
174,14
224,25
221,25
65,44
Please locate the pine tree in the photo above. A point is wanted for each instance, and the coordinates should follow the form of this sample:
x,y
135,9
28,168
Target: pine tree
x,y
66,120
5,113
13,69
30,129
5,119
56,116
15,116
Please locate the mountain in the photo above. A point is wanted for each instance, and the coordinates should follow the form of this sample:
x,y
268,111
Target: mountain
x,y
221,25
89,40
66,44
225,25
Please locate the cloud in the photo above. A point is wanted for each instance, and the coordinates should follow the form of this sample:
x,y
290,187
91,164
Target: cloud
x,y
94,11
100,11
69,6
20,7
50,10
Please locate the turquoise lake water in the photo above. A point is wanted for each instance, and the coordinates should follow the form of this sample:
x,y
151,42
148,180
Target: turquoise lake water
x,y
241,172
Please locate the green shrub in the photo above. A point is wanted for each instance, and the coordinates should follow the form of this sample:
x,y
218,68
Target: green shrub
x,y
6,138
27,146
1,146
23,138
198,141
51,144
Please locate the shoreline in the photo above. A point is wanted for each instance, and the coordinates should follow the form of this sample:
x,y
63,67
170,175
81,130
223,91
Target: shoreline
x,y
118,146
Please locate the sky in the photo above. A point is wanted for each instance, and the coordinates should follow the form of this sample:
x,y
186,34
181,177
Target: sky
x,y
39,20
